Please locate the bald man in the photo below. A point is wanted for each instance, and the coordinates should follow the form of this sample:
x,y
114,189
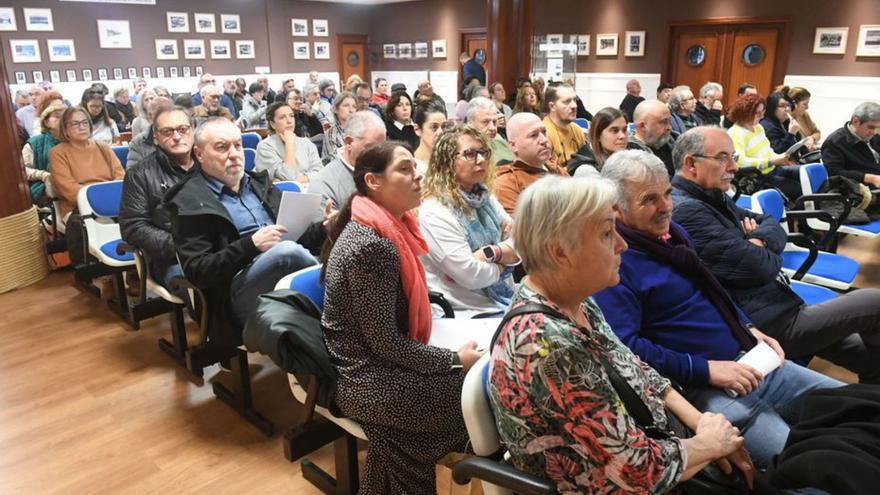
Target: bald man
x,y
527,136
653,132
632,99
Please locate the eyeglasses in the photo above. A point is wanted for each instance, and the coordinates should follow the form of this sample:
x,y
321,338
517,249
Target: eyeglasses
x,y
167,132
78,123
472,154
721,157
209,81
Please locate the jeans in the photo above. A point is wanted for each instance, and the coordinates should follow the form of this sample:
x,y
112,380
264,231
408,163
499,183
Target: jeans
x,y
787,179
765,414
263,273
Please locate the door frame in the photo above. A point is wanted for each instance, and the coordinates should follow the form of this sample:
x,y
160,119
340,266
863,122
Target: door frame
x,y
463,34
340,56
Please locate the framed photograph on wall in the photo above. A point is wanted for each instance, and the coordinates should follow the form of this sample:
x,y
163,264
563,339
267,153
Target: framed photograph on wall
x,y
55,76
830,40
635,44
204,23
61,50
117,73
87,75
25,51
132,73
420,49
244,49
20,78
187,72
300,50
38,76
160,71
71,75
438,48
166,49
113,33
230,23
299,27
38,20
389,50
172,71
583,45
606,44
194,49
7,20
320,27
146,72
199,71
178,22
869,41
102,74
220,49
404,50
322,50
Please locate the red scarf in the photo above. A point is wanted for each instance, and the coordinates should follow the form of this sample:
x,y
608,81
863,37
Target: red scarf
x,y
407,239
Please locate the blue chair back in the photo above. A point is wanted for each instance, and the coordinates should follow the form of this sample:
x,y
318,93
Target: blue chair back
x,y
288,185
584,123
122,154
105,198
816,174
769,202
631,127
250,159
250,140
308,281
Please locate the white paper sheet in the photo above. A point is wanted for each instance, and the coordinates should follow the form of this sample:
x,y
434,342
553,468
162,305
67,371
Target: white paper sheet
x,y
452,333
297,212
796,146
762,357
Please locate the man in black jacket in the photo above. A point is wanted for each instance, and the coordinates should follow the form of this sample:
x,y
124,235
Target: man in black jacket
x,y
744,249
709,103
854,150
143,220
632,99
224,230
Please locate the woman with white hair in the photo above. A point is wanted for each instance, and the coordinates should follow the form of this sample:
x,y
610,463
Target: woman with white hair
x,y
557,409
144,119
121,109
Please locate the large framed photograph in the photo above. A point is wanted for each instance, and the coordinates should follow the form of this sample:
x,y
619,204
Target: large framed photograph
x,y
204,23
583,41
25,51
220,49
320,27
61,50
166,49
635,44
389,50
113,34
244,49
230,23
322,50
404,50
606,44
299,27
178,22
830,40
7,20
438,48
38,20
300,50
421,49
194,49
869,41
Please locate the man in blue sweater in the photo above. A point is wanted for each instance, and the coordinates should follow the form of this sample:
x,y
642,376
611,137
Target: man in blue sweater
x,y
675,315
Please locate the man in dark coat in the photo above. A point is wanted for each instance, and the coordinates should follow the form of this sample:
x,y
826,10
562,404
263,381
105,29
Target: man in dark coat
x,y
743,250
632,99
854,150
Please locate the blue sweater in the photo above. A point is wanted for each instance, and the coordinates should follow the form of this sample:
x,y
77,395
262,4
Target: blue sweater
x,y
667,320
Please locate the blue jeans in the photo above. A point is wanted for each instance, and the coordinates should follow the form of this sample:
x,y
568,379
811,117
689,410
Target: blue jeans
x,y
263,273
765,414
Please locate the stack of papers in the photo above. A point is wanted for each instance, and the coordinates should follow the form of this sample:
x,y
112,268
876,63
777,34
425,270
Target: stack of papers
x,y
452,333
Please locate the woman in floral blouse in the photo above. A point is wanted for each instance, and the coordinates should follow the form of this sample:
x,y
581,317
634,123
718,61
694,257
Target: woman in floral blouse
x,y
556,410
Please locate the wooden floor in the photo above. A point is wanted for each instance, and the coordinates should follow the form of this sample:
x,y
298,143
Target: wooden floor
x,y
88,406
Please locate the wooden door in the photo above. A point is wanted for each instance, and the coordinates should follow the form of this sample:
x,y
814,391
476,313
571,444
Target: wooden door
x,y
471,41
352,57
698,58
754,51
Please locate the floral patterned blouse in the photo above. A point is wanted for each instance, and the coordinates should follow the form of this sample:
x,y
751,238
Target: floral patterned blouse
x,y
558,414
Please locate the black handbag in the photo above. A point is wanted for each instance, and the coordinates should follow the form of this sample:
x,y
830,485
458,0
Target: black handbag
x,y
711,480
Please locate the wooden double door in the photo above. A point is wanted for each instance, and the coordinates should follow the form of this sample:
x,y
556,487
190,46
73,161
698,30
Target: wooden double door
x,y
730,52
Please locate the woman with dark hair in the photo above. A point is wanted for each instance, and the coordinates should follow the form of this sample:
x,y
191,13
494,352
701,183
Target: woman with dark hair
x,y
405,393
608,134
104,129
499,95
121,109
527,101
398,119
428,118
776,122
801,124
283,154
344,106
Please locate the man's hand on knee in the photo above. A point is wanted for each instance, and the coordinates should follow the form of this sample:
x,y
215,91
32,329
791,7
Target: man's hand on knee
x,y
268,237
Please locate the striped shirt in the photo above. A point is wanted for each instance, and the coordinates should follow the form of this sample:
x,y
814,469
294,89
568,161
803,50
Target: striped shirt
x,y
753,148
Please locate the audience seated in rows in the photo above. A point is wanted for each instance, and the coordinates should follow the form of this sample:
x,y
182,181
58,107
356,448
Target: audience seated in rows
x,y
781,130
426,93
144,119
210,106
470,255
482,113
344,106
121,109
854,150
35,154
527,101
555,405
381,95
27,115
104,129
742,90
283,155
429,118
565,136
608,134
404,393
306,124
144,144
398,119
326,95
654,132
138,85
253,107
364,95
709,105
682,106
499,96
224,231
225,101
632,99
268,94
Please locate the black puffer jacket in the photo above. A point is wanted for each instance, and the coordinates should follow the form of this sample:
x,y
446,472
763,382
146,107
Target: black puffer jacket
x,y
750,273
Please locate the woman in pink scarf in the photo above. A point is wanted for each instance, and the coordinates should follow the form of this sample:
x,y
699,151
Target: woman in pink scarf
x,y
377,321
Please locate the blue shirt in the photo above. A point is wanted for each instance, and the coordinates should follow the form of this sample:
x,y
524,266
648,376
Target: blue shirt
x,y
245,208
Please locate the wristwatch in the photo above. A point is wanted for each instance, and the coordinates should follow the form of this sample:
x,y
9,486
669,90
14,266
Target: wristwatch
x,y
456,362
489,253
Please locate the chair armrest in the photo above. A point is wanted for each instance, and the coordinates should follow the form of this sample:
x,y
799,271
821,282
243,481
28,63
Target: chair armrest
x,y
833,197
143,266
439,299
803,241
200,303
502,475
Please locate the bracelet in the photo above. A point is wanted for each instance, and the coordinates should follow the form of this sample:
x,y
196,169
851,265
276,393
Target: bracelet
x,y
498,253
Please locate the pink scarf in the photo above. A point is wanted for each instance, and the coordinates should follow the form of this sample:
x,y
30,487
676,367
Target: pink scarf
x,y
407,239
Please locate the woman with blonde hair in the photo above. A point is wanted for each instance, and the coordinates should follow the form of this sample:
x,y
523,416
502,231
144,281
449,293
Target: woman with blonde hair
x,y
527,101
470,254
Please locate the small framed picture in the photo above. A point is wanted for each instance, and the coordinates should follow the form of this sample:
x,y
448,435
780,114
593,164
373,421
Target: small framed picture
x,y
194,49
438,48
55,76
132,73
25,51
320,27
869,41
113,34
635,44
583,42
178,22
220,49
61,50
299,27
300,50
244,49
117,73
389,50
87,74
830,40
38,20
205,23
606,44
160,71
187,72
166,49
421,49
146,72
38,76
199,71
7,20
172,71
71,75
322,50
20,78
102,74
404,50
230,23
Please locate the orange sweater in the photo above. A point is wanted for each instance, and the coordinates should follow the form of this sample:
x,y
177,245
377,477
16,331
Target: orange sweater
x,y
512,178
72,168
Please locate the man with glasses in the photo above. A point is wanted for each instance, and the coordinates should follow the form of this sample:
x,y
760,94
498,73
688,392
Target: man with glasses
x,y
682,108
653,132
225,101
364,99
483,114
306,124
210,105
743,250
854,150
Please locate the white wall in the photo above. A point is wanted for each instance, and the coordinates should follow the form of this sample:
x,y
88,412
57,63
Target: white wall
x,y
599,90
834,97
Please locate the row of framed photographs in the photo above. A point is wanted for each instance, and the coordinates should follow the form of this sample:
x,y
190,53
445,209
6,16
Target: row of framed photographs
x,y
166,49
832,40
301,50
28,51
178,22
34,19
103,74
418,49
300,27
606,44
